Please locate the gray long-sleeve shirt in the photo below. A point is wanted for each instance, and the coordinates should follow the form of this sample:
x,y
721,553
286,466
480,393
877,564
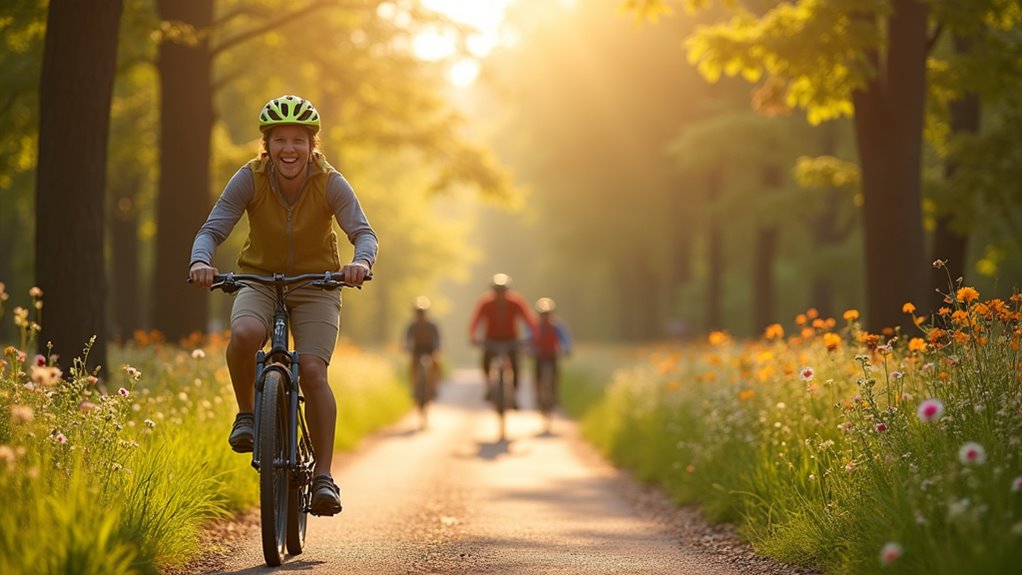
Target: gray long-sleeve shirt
x,y
240,191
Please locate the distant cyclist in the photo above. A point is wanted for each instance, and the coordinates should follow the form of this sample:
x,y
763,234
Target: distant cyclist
x,y
551,340
423,338
498,312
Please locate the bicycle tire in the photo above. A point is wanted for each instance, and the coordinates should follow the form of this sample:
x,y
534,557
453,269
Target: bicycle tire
x,y
422,389
546,388
500,398
273,473
300,490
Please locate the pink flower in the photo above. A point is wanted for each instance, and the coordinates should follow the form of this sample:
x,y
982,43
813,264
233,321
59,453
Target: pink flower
x,y
122,392
880,426
972,453
1016,484
39,360
930,410
59,438
890,553
807,373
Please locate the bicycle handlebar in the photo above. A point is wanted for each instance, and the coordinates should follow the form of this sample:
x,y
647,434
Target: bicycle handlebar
x,y
232,282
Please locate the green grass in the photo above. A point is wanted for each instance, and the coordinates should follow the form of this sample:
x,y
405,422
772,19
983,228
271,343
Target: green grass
x,y
121,475
827,470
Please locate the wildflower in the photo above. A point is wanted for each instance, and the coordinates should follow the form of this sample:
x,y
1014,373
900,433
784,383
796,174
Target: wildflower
x,y
21,413
7,455
60,438
972,453
39,360
132,372
908,308
122,392
718,337
198,353
807,373
967,294
930,410
831,340
150,423
890,553
35,292
917,344
1016,484
86,406
937,264
880,427
45,376
943,311
92,379
851,315
800,319
897,375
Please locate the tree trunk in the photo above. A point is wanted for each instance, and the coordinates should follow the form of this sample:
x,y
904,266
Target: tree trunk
x,y
764,296
715,248
75,91
888,124
186,120
949,244
125,264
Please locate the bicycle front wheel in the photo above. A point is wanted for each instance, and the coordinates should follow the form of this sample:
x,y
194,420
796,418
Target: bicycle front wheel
x,y
300,489
273,472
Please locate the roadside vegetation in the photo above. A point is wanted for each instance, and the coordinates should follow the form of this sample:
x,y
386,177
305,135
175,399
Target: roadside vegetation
x,y
119,471
833,447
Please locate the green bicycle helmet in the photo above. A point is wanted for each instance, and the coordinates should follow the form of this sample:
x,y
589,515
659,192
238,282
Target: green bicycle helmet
x,y
288,111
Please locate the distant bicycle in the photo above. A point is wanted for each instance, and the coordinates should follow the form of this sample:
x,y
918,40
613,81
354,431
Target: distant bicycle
x,y
422,390
501,380
546,390
282,452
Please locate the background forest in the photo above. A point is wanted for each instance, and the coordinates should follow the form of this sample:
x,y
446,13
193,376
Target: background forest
x,y
590,158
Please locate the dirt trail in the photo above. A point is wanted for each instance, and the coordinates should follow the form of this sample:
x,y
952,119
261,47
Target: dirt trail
x,y
454,499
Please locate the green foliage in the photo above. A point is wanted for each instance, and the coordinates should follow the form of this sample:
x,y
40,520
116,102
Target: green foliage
x,y
120,474
822,445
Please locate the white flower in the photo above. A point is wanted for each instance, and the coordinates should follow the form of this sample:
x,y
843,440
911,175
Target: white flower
x,y
890,553
972,453
198,353
807,373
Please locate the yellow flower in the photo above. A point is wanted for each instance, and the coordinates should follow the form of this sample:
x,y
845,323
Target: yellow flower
x,y
908,307
917,344
967,294
851,315
960,317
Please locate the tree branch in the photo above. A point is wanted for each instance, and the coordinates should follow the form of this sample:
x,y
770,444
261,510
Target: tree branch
x,y
276,23
937,31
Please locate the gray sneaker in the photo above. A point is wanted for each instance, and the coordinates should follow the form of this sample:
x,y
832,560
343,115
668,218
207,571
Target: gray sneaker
x,y
242,433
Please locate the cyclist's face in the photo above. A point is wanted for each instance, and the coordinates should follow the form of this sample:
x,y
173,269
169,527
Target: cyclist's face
x,y
289,149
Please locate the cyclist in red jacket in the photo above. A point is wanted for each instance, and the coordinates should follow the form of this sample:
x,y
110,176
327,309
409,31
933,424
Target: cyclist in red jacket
x,y
500,310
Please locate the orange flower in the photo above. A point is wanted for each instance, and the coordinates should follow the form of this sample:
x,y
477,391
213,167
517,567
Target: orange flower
x,y
851,315
807,332
800,319
935,334
718,337
944,311
774,331
961,337
908,308
917,344
746,394
967,294
960,317
819,323
831,340
812,313
870,340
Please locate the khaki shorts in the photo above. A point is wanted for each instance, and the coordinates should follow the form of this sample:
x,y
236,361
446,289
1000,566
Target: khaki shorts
x,y
314,315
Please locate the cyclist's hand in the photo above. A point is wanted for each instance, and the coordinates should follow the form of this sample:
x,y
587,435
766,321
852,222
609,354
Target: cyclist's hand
x,y
355,273
202,274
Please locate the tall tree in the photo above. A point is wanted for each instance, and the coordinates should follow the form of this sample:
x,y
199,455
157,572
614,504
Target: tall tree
x,y
75,90
186,121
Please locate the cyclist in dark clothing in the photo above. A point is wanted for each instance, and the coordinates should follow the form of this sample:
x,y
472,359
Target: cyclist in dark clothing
x,y
423,338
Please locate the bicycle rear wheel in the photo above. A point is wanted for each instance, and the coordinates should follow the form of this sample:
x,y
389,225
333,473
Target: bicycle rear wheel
x,y
273,472
422,390
545,388
300,490
501,400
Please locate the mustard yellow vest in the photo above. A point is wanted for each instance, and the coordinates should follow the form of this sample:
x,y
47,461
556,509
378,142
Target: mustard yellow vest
x,y
294,239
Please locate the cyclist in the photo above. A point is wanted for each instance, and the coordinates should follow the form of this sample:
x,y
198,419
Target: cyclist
x,y
423,338
291,195
551,340
500,309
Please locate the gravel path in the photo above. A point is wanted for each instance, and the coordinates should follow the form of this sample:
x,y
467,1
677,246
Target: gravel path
x,y
454,499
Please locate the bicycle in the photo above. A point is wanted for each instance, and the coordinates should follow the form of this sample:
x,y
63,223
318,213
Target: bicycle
x,y
422,387
501,380
281,434
546,389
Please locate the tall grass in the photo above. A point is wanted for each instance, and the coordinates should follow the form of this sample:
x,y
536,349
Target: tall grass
x,y
119,474
833,447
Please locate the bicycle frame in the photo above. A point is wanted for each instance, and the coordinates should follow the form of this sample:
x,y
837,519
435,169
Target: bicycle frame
x,y
287,363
